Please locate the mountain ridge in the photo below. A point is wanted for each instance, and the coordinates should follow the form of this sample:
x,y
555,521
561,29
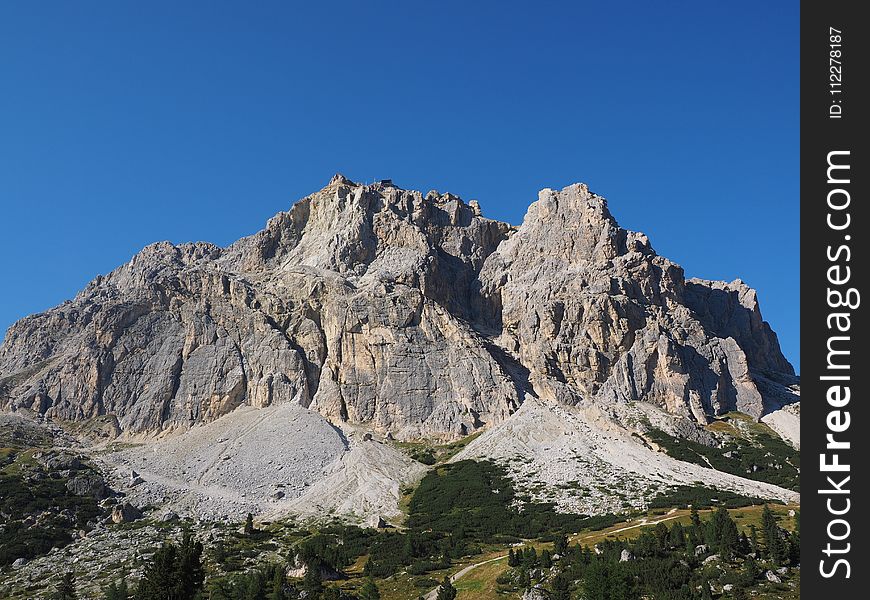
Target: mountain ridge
x,y
412,314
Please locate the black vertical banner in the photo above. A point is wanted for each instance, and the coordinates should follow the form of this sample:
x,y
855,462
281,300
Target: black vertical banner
x,y
835,421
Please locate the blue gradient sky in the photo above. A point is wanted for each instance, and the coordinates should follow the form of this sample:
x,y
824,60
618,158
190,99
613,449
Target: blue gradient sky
x,y
124,123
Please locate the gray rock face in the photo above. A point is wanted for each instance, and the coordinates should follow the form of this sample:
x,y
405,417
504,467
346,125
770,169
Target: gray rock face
x,y
772,577
536,592
595,314
411,313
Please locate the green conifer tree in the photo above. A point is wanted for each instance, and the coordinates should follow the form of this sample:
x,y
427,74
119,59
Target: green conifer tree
x,y
696,518
189,570
560,545
531,558
66,588
158,581
660,531
595,584
277,586
560,590
773,538
677,536
546,559
312,582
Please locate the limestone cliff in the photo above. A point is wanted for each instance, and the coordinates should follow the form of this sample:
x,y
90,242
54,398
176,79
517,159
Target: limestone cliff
x,y
411,313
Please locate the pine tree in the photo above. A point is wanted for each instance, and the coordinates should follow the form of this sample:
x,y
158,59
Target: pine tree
x,y
369,591
722,532
743,545
677,536
312,581
531,558
730,539
446,591
546,560
696,518
795,540
561,587
595,582
660,531
189,569
773,541
276,590
158,581
560,545
695,533
753,541
66,589
249,524
512,561
174,571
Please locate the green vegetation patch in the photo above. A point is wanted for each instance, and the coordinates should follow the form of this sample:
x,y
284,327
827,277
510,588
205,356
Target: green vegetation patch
x,y
431,454
477,498
700,497
38,509
758,454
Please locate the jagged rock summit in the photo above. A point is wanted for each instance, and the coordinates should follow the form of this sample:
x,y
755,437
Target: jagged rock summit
x,y
412,314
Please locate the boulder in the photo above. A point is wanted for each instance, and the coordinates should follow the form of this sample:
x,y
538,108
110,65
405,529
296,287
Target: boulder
x,y
88,485
169,516
62,461
125,513
377,522
536,592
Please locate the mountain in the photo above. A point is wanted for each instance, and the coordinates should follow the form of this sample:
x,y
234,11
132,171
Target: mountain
x,y
413,315
367,321
379,357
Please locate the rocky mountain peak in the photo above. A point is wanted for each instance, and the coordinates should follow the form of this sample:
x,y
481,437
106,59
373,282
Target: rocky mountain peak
x,y
414,314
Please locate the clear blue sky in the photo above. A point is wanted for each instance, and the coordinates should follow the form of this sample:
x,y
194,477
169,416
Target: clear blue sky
x,y
124,123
